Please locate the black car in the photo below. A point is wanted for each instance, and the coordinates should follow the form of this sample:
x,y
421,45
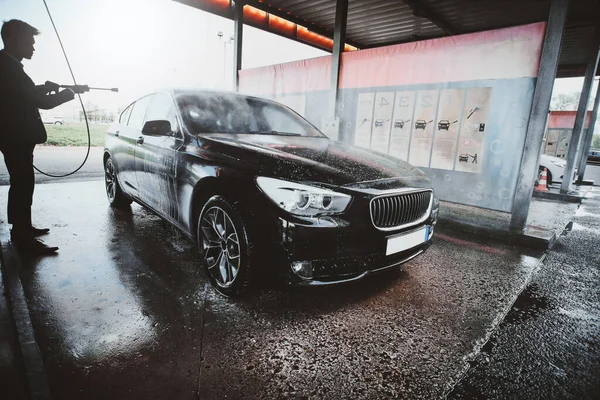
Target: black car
x,y
400,123
463,157
263,192
420,124
444,124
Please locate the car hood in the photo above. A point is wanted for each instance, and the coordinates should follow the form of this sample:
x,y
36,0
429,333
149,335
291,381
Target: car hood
x,y
315,159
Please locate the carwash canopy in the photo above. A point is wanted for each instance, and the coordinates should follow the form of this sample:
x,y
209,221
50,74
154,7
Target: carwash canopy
x,y
459,88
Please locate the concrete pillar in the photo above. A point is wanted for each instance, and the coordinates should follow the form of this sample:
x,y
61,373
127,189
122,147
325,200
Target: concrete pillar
x,y
539,114
584,99
339,41
587,143
238,35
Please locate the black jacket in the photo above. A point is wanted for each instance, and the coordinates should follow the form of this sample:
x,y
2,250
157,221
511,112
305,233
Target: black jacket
x,y
20,101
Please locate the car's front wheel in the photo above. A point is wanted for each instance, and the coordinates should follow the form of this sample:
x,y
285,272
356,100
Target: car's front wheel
x,y
115,195
223,243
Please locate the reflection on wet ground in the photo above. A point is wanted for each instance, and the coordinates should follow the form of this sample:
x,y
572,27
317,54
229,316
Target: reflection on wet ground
x,y
123,311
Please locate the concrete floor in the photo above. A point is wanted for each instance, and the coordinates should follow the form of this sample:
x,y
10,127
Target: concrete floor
x,y
548,347
123,311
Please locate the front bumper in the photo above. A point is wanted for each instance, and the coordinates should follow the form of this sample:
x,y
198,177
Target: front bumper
x,y
340,249
341,270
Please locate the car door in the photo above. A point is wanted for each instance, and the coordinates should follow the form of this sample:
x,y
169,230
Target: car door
x,y
156,159
121,142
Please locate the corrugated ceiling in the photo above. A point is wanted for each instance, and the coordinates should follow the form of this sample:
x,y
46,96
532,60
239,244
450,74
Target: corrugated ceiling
x,y
374,23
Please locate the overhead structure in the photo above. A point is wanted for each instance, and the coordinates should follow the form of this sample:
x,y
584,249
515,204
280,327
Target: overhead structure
x,y
376,23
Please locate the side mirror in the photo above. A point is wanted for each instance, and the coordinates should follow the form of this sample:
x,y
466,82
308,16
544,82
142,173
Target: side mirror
x,y
157,128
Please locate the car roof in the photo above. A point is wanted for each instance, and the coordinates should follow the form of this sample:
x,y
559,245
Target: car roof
x,y
177,91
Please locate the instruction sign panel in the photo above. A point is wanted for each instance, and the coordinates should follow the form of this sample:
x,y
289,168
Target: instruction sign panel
x,y
473,129
382,121
447,129
422,127
404,107
364,118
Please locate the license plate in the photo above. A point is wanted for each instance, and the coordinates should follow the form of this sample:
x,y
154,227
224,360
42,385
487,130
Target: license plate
x,y
406,241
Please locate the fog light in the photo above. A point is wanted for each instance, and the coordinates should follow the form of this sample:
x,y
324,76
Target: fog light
x,y
303,269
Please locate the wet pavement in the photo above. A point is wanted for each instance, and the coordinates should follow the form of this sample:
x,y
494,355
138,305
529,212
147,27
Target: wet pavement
x,y
12,374
123,311
548,347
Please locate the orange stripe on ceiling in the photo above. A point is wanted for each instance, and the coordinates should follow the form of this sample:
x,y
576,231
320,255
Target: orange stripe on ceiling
x,y
224,5
262,19
282,26
255,16
314,38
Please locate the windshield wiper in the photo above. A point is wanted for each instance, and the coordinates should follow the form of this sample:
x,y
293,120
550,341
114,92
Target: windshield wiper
x,y
274,133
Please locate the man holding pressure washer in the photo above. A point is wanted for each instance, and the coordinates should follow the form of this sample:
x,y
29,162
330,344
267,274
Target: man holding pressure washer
x,y
21,128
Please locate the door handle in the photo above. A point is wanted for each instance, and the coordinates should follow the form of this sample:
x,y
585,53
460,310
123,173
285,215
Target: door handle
x,y
140,140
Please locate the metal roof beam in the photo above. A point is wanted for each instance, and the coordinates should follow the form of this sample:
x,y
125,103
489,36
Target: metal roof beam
x,y
422,10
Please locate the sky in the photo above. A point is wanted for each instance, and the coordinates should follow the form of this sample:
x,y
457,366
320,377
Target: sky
x,y
141,45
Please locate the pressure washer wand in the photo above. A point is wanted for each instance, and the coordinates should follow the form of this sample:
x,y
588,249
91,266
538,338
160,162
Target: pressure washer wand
x,y
91,88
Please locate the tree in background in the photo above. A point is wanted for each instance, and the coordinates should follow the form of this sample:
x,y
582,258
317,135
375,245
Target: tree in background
x,y
565,102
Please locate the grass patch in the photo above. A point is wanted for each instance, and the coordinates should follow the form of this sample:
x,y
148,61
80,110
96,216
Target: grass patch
x,y
75,134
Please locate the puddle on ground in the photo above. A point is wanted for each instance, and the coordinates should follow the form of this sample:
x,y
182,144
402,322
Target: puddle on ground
x,y
528,305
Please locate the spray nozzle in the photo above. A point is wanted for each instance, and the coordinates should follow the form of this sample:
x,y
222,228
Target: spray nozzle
x,y
87,88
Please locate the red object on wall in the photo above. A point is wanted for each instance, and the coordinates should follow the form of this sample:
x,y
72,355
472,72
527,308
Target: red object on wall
x,y
566,119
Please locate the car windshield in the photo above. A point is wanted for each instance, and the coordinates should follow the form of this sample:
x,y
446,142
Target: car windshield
x,y
227,113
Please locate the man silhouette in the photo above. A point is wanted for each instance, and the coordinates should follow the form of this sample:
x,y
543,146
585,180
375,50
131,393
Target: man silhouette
x,y
21,128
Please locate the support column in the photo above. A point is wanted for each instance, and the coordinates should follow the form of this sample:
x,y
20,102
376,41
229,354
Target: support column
x,y
539,112
339,41
587,143
238,35
584,99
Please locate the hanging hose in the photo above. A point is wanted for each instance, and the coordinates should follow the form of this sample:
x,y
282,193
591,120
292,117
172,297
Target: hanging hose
x,y
80,101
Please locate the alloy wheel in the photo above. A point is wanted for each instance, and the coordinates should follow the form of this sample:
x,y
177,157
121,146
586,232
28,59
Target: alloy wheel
x,y
110,180
221,247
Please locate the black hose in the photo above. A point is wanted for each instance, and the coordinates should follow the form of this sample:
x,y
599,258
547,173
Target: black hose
x,y
80,101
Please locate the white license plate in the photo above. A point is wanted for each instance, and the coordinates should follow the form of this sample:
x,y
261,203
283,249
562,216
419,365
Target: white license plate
x,y
406,241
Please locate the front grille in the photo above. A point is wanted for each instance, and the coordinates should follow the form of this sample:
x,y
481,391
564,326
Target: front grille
x,y
400,210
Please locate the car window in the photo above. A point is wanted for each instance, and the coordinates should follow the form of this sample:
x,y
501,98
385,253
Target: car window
x,y
136,120
279,120
223,113
162,108
124,118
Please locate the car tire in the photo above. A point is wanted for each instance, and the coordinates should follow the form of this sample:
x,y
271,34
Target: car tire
x,y
57,123
223,243
548,177
115,195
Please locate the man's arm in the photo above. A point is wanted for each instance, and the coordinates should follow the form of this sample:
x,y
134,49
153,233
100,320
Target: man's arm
x,y
25,86
42,89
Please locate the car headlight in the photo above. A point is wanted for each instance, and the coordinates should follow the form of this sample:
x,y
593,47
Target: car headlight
x,y
302,199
